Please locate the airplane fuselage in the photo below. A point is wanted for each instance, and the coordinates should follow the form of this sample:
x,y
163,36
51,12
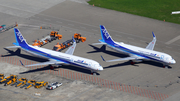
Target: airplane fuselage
x,y
67,58
142,52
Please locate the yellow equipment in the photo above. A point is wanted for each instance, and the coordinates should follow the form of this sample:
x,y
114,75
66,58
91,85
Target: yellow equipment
x,y
13,79
40,84
22,81
55,34
78,38
7,78
1,76
31,82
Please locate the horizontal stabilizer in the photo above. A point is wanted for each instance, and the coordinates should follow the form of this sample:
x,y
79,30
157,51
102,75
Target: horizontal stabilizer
x,y
99,43
13,47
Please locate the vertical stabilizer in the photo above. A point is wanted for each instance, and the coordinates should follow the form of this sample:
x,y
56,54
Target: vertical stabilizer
x,y
105,35
20,41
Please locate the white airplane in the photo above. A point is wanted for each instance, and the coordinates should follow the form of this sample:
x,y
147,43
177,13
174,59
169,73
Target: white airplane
x,y
136,54
55,58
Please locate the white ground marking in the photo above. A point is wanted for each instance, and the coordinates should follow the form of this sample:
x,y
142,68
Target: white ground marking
x,y
173,40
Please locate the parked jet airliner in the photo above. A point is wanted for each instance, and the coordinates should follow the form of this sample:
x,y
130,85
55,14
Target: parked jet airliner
x,y
54,57
136,54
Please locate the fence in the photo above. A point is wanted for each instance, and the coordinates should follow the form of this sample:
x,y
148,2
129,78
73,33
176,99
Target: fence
x,y
89,78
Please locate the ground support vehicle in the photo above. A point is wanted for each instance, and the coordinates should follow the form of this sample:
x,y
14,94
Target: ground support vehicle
x,y
53,36
79,38
56,35
1,77
13,79
7,79
3,28
22,81
40,84
60,47
29,84
54,85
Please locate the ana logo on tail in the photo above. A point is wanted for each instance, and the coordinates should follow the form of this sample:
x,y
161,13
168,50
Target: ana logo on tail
x,y
19,36
105,33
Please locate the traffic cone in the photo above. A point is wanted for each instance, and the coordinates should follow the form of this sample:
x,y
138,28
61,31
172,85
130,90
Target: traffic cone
x,y
164,20
93,4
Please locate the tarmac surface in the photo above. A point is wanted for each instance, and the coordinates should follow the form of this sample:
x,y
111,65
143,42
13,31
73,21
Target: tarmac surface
x,y
72,16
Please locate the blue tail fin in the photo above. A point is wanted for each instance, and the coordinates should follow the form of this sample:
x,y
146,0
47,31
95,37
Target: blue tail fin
x,y
20,41
105,35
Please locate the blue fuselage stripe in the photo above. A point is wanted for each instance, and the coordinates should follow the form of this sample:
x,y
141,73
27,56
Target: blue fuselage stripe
x,y
46,55
112,44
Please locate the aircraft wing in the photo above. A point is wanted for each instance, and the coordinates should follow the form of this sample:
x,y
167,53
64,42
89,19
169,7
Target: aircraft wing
x,y
152,43
72,48
44,63
123,59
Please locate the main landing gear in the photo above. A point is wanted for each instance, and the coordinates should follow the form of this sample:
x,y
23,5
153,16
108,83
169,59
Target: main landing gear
x,y
51,67
165,66
132,62
93,73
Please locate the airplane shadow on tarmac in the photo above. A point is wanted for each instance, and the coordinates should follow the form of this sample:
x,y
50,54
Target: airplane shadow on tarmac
x,y
18,53
33,58
70,67
103,49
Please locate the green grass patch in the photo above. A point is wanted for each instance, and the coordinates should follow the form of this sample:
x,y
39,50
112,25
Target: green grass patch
x,y
156,9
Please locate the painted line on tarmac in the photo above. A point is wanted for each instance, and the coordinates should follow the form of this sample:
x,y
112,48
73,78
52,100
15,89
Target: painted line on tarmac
x,y
173,40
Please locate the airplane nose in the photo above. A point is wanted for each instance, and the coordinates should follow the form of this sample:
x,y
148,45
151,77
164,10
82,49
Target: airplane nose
x,y
101,68
174,61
